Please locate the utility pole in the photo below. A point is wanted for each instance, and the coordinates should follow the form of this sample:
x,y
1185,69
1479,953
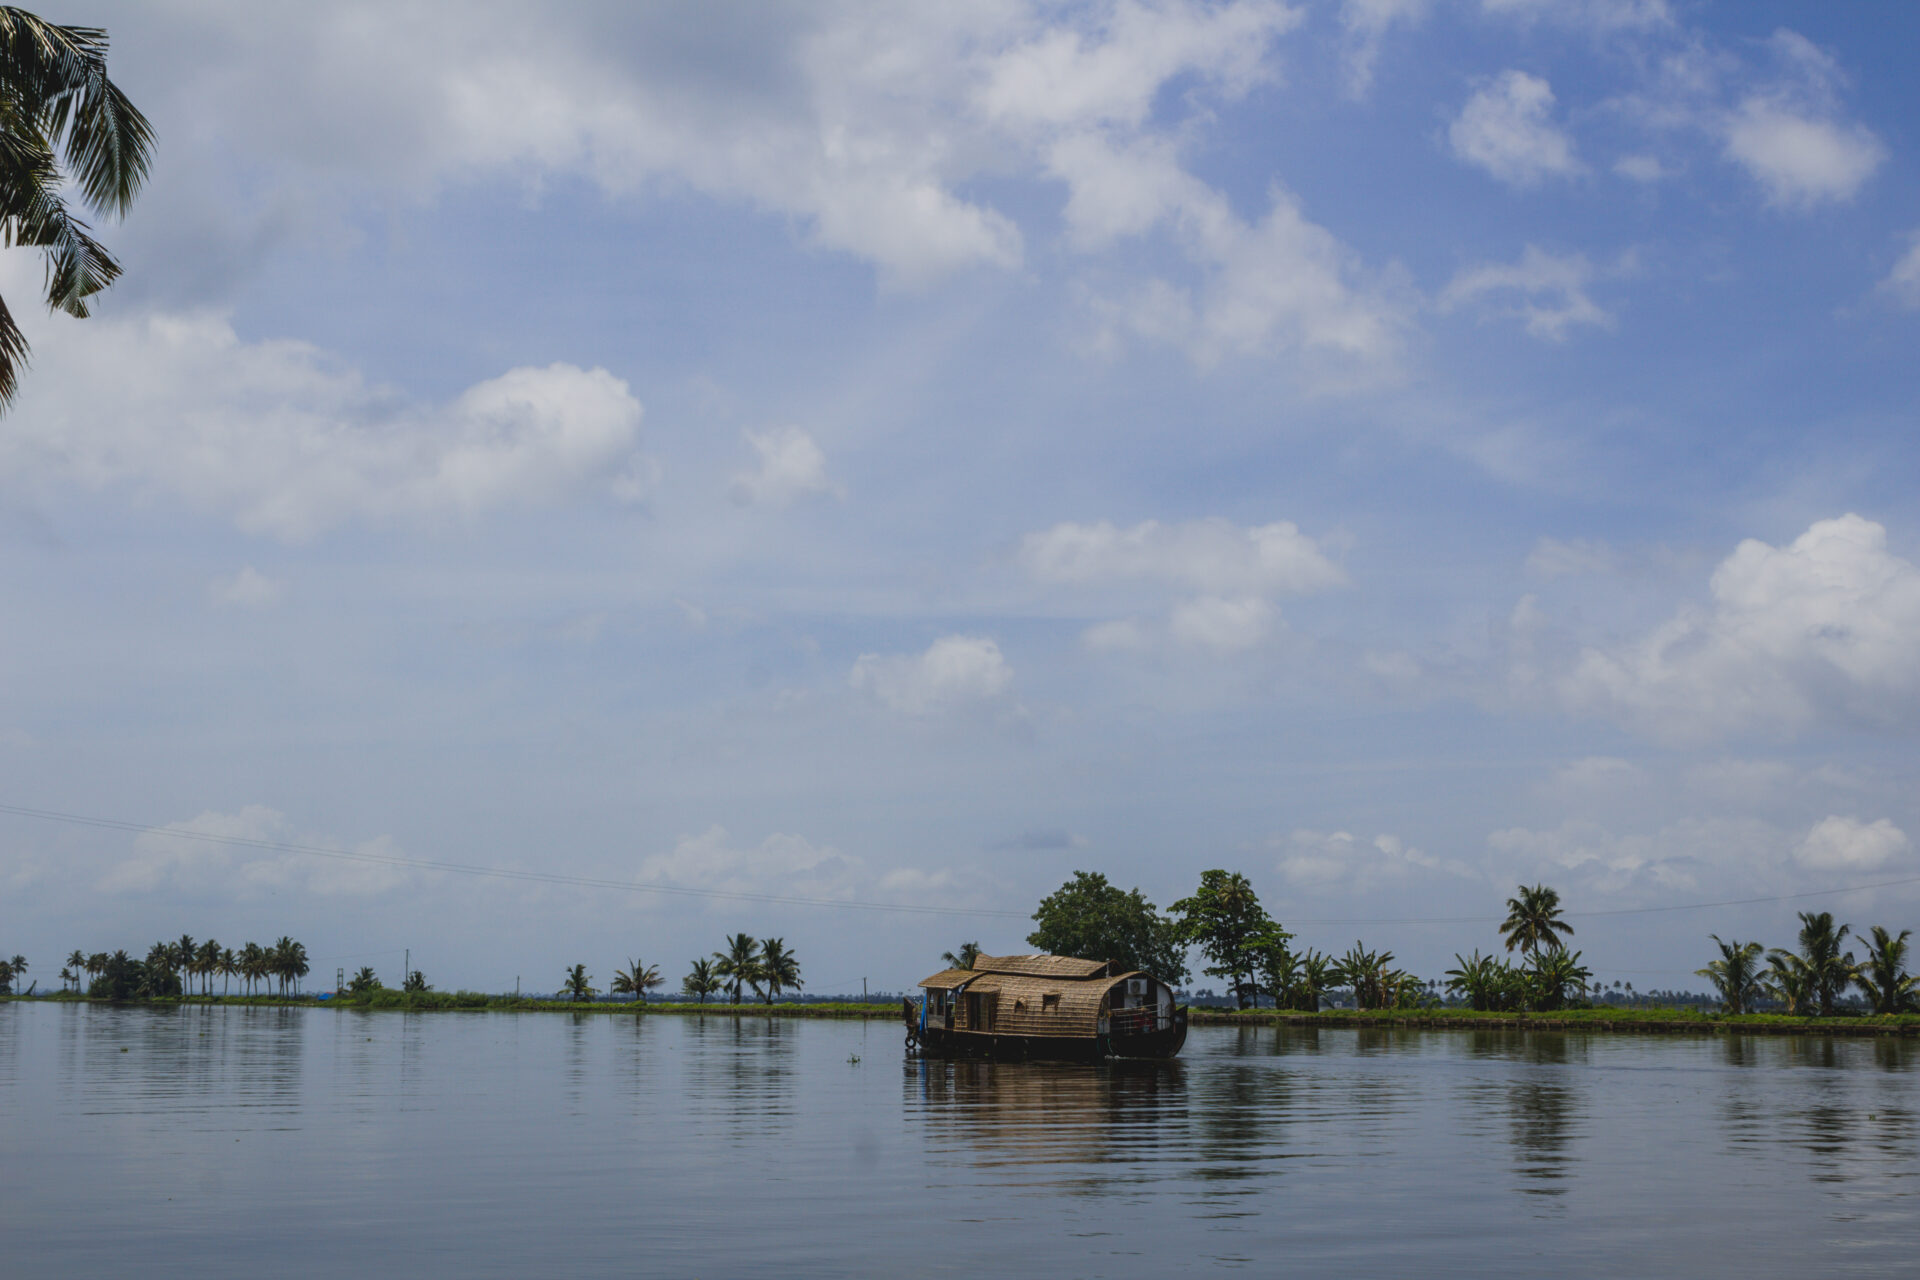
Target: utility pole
x,y
863,990
406,969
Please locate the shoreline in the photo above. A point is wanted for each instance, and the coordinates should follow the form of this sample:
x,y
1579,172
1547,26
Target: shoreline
x,y
1608,1020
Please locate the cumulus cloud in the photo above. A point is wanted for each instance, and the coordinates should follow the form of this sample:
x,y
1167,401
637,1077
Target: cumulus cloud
x,y
277,437
953,672
1507,129
1819,630
1847,844
791,466
1789,137
1323,860
1232,572
1549,293
230,855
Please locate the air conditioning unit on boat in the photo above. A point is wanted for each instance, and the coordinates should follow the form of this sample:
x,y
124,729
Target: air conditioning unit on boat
x,y
1136,986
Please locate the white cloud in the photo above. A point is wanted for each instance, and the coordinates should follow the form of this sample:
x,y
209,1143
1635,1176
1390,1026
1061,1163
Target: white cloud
x,y
1222,624
279,438
791,466
1847,844
955,671
1324,860
1820,630
792,865
1685,857
247,589
1232,572
1210,555
166,860
1903,282
1552,292
1801,161
1367,23
1506,128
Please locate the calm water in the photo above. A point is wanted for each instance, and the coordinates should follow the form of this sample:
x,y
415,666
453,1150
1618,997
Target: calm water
x,y
281,1142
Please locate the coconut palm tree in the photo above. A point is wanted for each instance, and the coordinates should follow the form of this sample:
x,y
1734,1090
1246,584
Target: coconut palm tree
x,y
1828,970
739,965
364,981
1534,921
703,981
96,964
1789,981
63,126
963,958
207,963
229,969
578,984
77,962
779,970
1883,973
1736,974
636,980
254,967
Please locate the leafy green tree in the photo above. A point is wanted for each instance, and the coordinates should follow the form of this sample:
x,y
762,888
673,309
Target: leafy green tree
x,y
96,964
1882,973
1275,967
635,980
702,980
364,982
1824,967
1736,975
63,126
579,984
963,958
1095,920
416,981
739,965
1488,983
1376,983
7,975
779,969
1557,976
1222,919
121,978
1788,980
1534,921
1317,970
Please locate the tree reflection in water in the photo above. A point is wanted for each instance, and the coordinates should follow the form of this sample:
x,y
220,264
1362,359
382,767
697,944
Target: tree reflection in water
x,y
1545,1109
739,1073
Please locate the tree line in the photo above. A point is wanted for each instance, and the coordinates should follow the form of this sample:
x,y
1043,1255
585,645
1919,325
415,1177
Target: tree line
x,y
178,968
767,966
1240,943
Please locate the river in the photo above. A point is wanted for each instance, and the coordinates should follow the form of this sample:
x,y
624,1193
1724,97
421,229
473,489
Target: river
x,y
250,1142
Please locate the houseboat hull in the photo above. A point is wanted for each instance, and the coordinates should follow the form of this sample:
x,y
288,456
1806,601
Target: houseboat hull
x,y
938,1042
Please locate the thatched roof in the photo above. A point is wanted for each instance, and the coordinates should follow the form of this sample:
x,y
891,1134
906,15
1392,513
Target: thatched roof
x,y
1041,966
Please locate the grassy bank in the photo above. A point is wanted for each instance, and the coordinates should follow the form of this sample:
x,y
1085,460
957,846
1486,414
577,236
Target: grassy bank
x,y
1602,1019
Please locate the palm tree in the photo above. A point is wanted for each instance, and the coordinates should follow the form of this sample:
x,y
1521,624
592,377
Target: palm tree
x,y
1828,970
57,105
1788,980
228,970
253,965
1883,973
577,985
1317,970
703,981
964,957
297,964
636,980
779,970
1534,920
1554,973
739,965
183,953
77,962
96,964
364,981
1736,974
1369,973
207,963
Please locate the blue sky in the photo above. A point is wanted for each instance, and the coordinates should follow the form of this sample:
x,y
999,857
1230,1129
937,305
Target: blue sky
x,y
901,456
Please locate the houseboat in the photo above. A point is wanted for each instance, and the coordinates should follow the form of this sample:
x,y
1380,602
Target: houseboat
x,y
1045,1007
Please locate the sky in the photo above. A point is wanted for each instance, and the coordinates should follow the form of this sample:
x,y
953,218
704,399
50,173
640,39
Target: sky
x,y
862,463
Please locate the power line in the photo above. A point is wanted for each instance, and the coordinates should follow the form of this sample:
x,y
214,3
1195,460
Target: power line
x,y
500,873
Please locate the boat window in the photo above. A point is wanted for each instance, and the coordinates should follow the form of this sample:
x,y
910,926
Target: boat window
x,y
1050,1002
